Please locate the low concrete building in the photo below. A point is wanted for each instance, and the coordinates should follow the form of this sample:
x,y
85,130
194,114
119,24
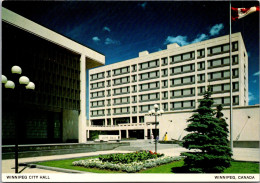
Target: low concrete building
x,y
246,125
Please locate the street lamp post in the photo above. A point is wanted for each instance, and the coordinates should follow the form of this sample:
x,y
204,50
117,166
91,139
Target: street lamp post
x,y
23,80
156,112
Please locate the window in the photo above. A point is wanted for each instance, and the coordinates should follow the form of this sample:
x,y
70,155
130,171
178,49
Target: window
x,y
164,83
134,78
149,97
183,105
201,78
123,100
182,81
97,112
134,68
108,111
182,69
148,65
134,109
146,108
122,80
100,103
234,46
201,53
122,110
134,88
182,57
222,49
123,70
235,86
201,90
120,91
108,83
108,93
108,102
164,95
218,75
235,73
201,65
97,94
164,61
108,73
97,76
234,59
164,72
183,93
222,62
97,85
149,86
149,75
134,99
175,70
165,106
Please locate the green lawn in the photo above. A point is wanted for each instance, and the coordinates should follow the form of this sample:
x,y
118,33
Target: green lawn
x,y
174,167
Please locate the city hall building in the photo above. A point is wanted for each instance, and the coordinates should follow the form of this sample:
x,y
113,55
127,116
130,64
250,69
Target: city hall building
x,y
56,110
121,94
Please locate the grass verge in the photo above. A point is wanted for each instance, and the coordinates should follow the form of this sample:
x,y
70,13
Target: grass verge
x,y
174,167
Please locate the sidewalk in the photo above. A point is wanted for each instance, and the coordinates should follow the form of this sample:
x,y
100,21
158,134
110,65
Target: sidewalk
x,y
240,154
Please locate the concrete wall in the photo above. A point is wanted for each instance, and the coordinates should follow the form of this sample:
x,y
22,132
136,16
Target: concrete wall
x,y
244,128
70,125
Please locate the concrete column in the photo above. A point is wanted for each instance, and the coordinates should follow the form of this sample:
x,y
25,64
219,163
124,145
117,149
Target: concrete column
x,y
82,127
138,119
106,122
131,119
112,121
88,133
120,134
145,133
127,134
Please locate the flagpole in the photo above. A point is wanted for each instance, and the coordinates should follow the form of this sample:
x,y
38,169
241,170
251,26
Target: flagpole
x,y
230,73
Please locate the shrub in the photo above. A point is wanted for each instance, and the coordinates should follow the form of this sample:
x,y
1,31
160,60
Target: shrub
x,y
130,157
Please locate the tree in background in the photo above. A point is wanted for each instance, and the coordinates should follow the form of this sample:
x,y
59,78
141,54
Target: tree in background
x,y
207,138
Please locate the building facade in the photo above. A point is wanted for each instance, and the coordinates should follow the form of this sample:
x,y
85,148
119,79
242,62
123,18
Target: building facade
x,y
56,110
121,94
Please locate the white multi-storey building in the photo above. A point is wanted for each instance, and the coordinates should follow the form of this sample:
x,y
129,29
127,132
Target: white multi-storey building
x,y
121,94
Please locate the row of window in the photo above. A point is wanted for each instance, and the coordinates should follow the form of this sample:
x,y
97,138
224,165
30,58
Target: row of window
x,y
219,88
188,104
219,49
176,70
219,75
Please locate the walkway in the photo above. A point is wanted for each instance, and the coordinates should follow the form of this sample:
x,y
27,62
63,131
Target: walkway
x,y
240,154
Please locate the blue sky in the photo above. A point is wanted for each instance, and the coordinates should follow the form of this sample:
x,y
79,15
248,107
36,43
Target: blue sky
x,y
120,30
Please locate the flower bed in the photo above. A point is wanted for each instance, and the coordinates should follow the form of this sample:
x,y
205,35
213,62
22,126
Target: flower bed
x,y
139,162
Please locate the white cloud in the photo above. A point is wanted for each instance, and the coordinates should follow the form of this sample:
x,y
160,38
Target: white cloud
x,y
200,38
251,96
111,41
106,29
181,40
96,39
257,73
216,29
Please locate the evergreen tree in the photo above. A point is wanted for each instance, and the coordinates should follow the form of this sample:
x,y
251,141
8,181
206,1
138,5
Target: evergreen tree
x,y
207,138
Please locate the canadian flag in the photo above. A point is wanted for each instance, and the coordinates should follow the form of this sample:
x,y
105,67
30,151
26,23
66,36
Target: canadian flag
x,y
238,13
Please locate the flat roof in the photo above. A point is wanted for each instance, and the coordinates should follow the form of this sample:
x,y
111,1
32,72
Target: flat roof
x,y
54,37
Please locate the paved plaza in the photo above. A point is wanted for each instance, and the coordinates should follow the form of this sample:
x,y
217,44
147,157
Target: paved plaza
x,y
240,154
